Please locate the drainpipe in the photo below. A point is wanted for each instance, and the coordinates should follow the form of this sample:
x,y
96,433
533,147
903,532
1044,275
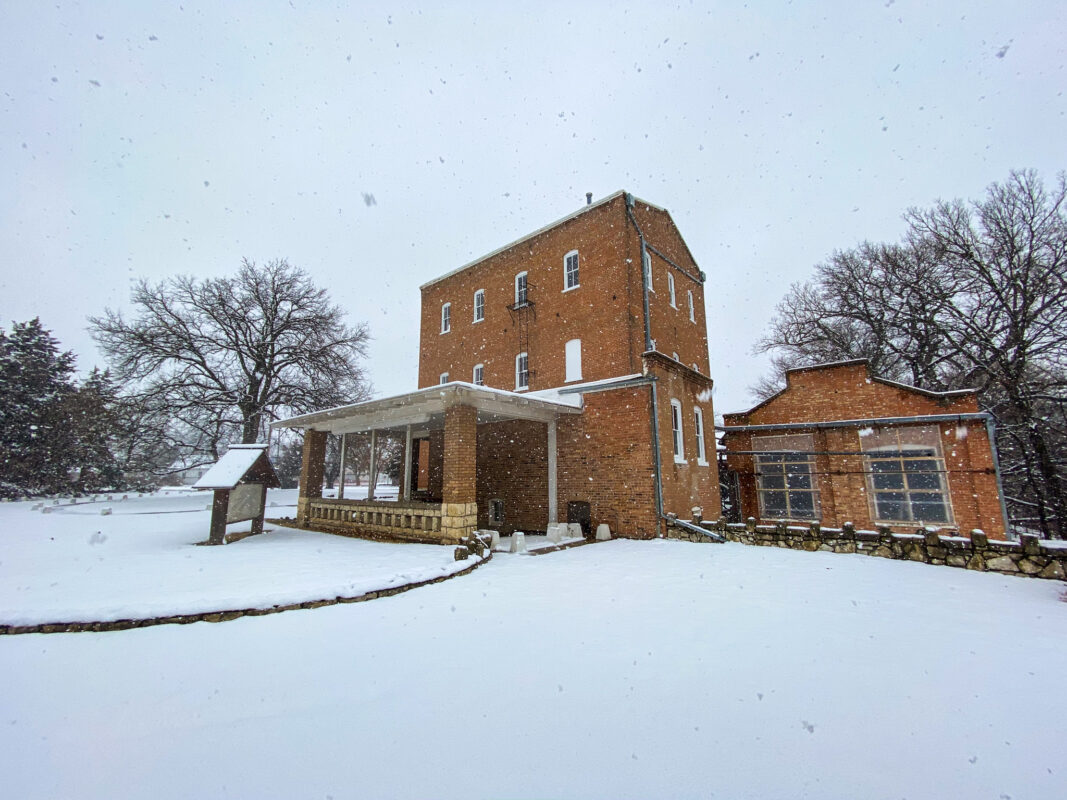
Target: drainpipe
x,y
657,463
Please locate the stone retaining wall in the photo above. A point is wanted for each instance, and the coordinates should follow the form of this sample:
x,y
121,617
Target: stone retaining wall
x,y
1034,557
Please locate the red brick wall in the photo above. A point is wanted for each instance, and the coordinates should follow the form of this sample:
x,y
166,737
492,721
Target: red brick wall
x,y
691,483
606,311
846,392
459,469
605,459
513,467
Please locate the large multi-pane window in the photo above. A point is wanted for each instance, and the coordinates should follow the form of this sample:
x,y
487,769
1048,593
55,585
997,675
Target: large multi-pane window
x,y
784,474
570,270
479,305
522,371
520,289
906,474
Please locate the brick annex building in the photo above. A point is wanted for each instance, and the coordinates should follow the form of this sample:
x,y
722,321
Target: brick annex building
x,y
839,444
563,377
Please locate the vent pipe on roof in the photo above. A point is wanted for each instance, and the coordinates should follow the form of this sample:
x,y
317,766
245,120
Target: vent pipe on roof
x,y
589,198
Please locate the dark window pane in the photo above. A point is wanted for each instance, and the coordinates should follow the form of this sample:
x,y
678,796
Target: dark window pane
x,y
924,480
772,482
928,508
802,504
799,481
888,480
774,504
891,505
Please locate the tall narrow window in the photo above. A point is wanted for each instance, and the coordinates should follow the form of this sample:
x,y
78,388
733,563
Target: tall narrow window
x,y
446,318
676,431
570,270
906,475
786,485
692,310
522,371
478,378
646,264
670,290
443,378
699,421
479,305
520,289
573,355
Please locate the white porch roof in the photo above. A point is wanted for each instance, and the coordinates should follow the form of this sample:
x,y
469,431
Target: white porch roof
x,y
425,409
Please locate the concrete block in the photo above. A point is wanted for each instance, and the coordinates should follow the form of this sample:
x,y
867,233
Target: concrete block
x,y
518,542
574,530
603,532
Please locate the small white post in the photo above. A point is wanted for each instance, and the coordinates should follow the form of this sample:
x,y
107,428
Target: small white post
x,y
553,512
372,470
344,453
407,464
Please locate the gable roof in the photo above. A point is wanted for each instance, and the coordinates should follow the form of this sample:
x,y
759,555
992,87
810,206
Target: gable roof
x,y
238,461
584,209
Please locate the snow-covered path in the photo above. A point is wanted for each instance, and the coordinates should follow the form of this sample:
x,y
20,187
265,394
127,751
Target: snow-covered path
x,y
625,669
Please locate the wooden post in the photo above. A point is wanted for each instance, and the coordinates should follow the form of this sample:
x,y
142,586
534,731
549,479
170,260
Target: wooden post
x,y
344,453
257,523
219,506
407,464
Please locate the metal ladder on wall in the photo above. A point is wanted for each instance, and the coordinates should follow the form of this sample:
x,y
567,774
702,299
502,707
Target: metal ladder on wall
x,y
521,313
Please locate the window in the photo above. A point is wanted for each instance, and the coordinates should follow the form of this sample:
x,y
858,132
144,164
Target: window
x,y
676,431
699,420
670,290
443,378
905,474
478,378
570,270
784,467
692,310
522,371
479,305
573,354
520,289
496,512
446,318
646,262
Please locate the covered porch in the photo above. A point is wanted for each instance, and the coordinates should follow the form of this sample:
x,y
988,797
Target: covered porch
x,y
438,493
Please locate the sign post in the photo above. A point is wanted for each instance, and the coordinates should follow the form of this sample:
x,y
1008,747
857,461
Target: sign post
x,y
240,480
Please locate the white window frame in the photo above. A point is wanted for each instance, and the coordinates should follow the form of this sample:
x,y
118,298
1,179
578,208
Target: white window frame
x,y
443,378
567,285
698,416
478,375
479,305
692,309
522,372
791,464
572,360
670,290
646,265
522,298
677,435
675,357
446,317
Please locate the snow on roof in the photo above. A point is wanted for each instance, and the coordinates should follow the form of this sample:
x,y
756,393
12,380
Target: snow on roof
x,y
228,470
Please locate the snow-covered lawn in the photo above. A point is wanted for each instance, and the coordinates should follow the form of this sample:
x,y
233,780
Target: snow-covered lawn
x,y
75,565
623,669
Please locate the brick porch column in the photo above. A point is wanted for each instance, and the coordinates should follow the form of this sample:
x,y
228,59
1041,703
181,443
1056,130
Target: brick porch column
x,y
459,515
312,469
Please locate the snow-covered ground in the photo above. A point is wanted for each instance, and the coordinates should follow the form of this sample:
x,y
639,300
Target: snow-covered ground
x,y
621,669
75,565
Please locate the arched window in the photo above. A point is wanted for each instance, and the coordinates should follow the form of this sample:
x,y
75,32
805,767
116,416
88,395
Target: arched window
x,y
570,270
478,378
479,305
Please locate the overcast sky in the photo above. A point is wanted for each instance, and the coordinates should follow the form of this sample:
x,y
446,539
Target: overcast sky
x,y
380,145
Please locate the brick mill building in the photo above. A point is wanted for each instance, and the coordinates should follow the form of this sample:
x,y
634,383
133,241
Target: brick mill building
x,y
562,377
839,444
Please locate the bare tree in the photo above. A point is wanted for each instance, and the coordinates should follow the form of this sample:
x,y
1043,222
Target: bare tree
x,y
224,357
974,296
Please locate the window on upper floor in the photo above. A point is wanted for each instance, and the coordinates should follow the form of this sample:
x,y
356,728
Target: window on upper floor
x,y
676,432
670,290
479,305
906,475
784,473
692,309
443,378
478,378
570,270
446,318
522,371
698,420
573,356
646,264
520,289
